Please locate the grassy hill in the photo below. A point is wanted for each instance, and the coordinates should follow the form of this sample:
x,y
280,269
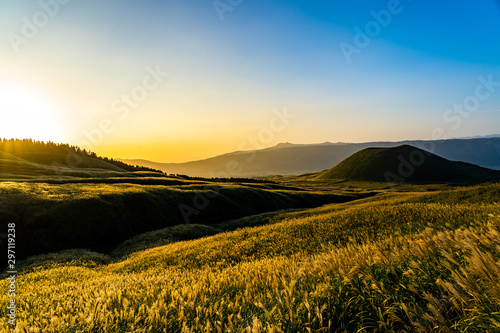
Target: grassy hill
x,y
28,157
405,164
14,167
397,262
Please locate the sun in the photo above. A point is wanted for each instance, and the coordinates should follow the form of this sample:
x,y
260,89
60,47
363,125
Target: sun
x,y
26,113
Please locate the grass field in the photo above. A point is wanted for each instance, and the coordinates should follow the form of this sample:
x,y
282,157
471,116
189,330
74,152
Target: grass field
x,y
420,260
100,213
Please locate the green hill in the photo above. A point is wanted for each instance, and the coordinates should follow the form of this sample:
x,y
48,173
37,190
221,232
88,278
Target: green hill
x,y
405,164
28,157
16,167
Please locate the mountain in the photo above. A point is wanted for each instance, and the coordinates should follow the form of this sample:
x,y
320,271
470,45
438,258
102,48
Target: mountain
x,y
405,163
291,159
482,136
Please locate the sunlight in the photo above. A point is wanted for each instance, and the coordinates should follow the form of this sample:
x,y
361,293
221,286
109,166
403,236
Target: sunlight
x,y
26,113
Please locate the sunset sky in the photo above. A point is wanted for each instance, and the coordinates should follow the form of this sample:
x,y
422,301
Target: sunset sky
x,y
179,80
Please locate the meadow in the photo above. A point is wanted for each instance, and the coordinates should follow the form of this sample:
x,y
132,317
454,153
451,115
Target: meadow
x,y
408,261
99,214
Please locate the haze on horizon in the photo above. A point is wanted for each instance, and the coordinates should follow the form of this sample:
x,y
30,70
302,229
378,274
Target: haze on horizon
x,y
183,80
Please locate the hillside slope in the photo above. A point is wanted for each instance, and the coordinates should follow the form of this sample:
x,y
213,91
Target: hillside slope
x,y
99,216
405,164
34,158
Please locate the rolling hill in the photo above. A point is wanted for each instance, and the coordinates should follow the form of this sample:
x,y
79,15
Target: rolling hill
x,y
97,203
28,158
127,251
292,159
405,164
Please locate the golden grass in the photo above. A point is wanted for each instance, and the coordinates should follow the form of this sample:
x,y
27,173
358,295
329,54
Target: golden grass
x,y
372,266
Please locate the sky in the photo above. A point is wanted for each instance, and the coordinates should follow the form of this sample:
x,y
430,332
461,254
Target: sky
x,y
181,80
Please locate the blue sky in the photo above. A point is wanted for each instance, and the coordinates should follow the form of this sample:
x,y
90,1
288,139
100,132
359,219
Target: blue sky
x,y
227,76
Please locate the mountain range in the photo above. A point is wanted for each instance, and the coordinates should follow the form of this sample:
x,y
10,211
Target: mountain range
x,y
292,159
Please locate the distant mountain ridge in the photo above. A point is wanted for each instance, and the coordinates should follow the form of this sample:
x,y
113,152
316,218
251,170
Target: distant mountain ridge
x,y
288,159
